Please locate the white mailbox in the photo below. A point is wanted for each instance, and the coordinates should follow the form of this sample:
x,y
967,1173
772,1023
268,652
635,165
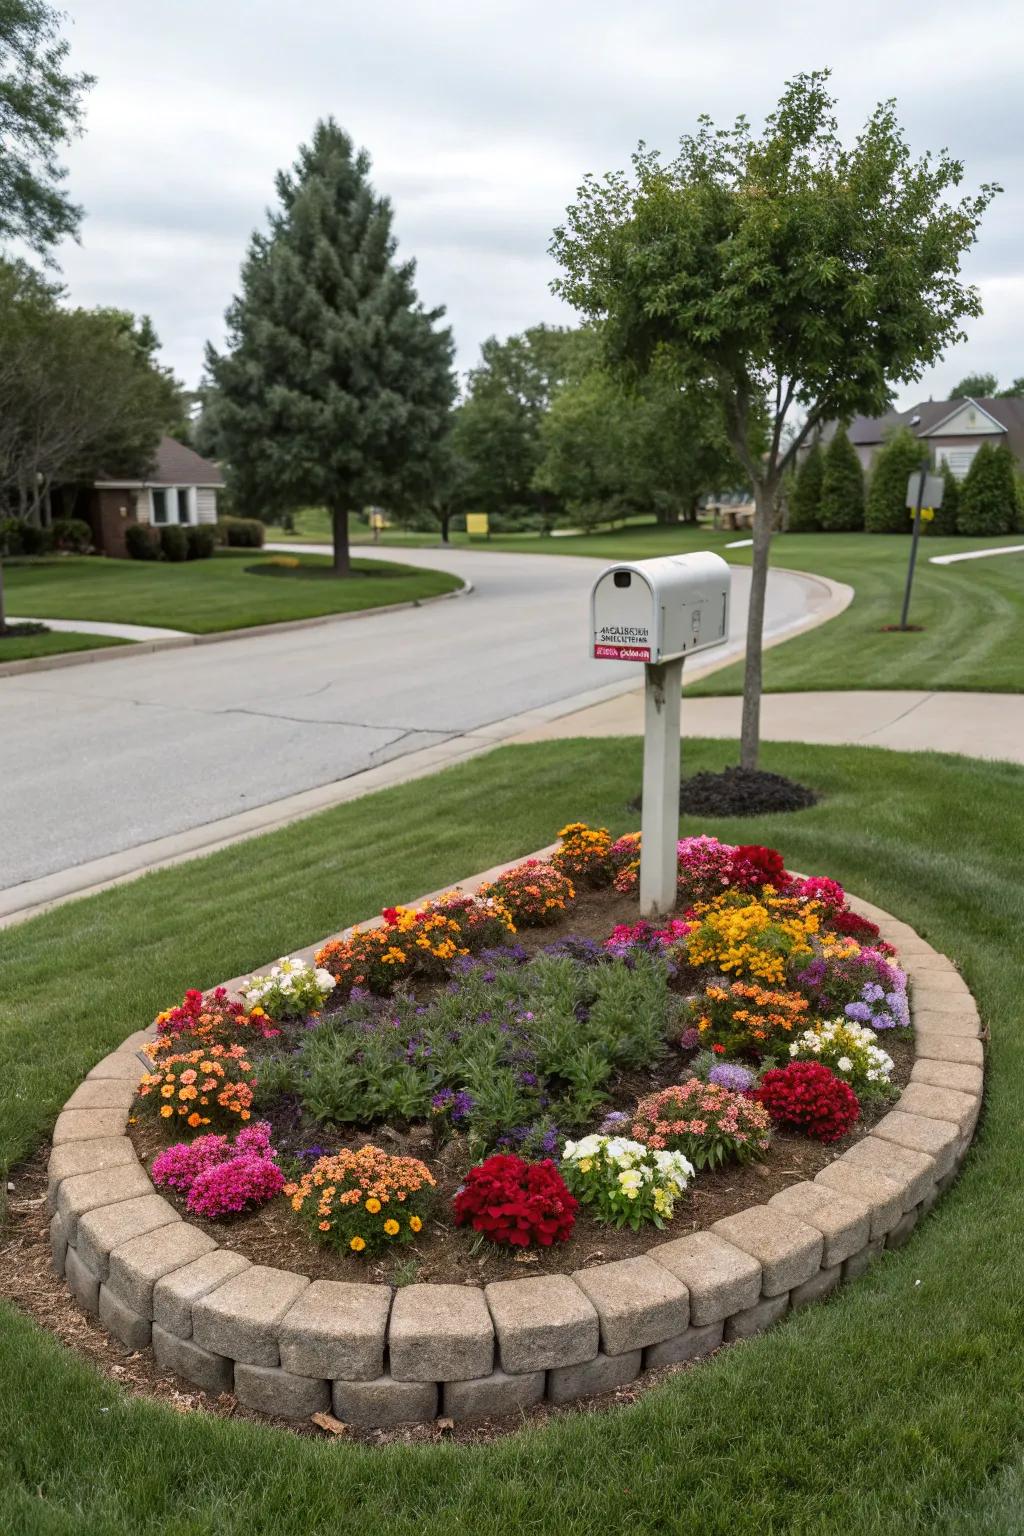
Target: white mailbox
x,y
660,610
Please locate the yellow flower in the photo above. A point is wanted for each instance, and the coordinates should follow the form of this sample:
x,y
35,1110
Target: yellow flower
x,y
166,1109
586,1164
357,1244
373,1206
415,1223
391,1227
167,1091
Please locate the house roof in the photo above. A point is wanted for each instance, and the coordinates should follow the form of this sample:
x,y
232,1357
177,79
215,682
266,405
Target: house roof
x,y
174,464
1008,414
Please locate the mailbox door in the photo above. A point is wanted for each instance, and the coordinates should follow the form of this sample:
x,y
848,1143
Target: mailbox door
x,y
626,623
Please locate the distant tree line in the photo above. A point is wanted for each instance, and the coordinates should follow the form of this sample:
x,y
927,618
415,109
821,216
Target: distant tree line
x,y
830,492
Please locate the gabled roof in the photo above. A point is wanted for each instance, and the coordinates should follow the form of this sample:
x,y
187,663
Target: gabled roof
x,y
174,464
1007,416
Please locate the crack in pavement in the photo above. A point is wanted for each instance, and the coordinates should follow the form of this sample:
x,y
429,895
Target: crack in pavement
x,y
886,724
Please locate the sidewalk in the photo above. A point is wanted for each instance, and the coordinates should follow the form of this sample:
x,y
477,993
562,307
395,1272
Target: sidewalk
x,y
976,724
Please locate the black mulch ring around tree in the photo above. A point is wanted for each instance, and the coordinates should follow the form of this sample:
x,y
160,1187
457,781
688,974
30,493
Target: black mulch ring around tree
x,y
740,792
15,631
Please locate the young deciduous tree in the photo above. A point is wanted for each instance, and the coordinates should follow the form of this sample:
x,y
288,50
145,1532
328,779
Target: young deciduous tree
x,y
788,272
897,459
988,495
842,487
336,386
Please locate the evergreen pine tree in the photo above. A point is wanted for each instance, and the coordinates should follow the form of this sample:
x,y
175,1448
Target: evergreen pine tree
x,y
805,503
944,522
337,385
897,460
842,487
988,496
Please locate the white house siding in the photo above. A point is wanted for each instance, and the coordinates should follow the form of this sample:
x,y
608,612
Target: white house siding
x,y
143,507
206,504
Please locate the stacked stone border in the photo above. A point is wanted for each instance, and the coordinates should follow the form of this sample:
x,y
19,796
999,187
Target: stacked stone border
x,y
376,1357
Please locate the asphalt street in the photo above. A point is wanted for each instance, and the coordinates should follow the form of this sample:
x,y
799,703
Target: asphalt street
x,y
100,758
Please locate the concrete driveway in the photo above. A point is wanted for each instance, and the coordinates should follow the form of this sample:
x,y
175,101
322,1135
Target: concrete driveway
x,y
96,760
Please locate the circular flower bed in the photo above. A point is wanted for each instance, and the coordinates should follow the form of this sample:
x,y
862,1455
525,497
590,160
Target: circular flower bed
x,y
530,1068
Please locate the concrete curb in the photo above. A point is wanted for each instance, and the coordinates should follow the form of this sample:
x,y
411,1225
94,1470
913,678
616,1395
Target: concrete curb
x,y
181,642
213,1317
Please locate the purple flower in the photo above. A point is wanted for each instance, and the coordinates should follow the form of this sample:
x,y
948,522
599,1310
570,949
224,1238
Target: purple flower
x,y
613,1122
463,1104
528,1079
314,1154
859,1012
689,1040
729,1074
442,1101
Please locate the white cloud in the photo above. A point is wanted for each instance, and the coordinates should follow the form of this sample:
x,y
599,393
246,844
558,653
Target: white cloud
x,y
481,120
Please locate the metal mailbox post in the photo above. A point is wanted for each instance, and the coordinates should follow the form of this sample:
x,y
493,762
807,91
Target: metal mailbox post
x,y
659,612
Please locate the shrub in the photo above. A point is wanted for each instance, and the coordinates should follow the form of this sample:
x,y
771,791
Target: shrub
x,y
21,538
944,522
201,541
850,1050
805,1096
886,510
242,532
71,535
988,495
705,1121
142,542
745,1018
367,958
174,543
291,990
623,1182
625,860
202,1087
752,938
515,1202
222,1178
534,893
584,854
841,508
480,921
805,502
363,1201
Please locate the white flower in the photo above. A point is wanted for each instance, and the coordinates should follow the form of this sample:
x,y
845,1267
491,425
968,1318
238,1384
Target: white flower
x,y
325,980
844,1064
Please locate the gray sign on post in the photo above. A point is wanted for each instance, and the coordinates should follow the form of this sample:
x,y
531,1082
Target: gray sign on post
x,y
924,491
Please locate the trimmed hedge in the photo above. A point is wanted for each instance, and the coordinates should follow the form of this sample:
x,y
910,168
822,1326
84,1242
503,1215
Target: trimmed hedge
x,y
886,510
18,538
841,507
241,532
72,535
988,496
141,542
201,539
174,542
805,502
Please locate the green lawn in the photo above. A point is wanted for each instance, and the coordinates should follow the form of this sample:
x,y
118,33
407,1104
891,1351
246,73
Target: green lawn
x,y
203,596
21,647
894,1407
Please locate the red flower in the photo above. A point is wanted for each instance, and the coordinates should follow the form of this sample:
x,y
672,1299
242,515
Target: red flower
x,y
806,1096
719,1050
390,916
516,1202
754,866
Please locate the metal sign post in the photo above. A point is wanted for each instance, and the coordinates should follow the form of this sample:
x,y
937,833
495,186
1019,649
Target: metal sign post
x,y
924,492
659,822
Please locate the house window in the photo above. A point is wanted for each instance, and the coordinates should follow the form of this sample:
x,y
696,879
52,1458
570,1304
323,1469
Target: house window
x,y
184,504
160,509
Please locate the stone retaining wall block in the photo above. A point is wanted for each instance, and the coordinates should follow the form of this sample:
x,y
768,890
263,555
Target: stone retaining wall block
x,y
185,1358
817,1287
638,1302
937,1139
493,1396
440,1333
720,1277
902,1230
961,1109
103,1230
755,1319
103,1093
240,1318
913,1171
543,1322
882,1196
930,1045
137,1265
859,1263
83,1282
603,1374
123,1322
959,1075
58,1244
175,1293
336,1329
844,1223
936,1021
691,1345
268,1389
88,1124
122,1063
787,1249
76,1157
90,1191
385,1402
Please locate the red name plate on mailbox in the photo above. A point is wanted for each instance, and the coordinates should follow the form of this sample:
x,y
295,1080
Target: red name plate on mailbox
x,y
622,652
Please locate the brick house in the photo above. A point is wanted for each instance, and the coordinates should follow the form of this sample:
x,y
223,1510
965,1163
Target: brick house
x,y
180,488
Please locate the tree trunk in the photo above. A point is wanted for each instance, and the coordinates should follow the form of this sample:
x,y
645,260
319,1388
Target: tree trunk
x,y
750,730
446,518
3,609
339,528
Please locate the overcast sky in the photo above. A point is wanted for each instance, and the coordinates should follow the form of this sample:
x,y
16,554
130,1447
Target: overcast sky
x,y
481,120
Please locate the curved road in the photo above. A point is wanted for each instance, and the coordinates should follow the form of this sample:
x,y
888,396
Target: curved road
x,y
103,758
